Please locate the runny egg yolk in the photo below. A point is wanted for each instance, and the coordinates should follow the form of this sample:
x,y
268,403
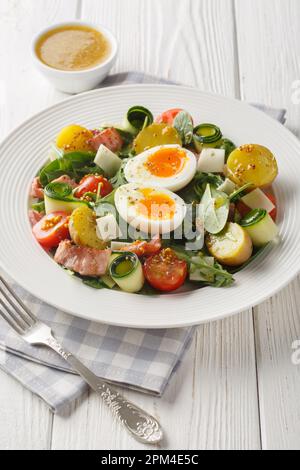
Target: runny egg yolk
x,y
166,162
156,206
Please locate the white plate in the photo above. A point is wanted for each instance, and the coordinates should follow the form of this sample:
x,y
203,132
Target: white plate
x,y
25,150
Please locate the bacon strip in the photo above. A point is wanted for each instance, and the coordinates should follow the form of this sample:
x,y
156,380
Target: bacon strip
x,y
37,189
109,137
35,216
67,180
144,248
81,259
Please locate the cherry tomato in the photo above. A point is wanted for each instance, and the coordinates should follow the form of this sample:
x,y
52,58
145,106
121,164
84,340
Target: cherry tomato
x,y
89,184
165,271
272,198
168,116
243,209
52,229
144,248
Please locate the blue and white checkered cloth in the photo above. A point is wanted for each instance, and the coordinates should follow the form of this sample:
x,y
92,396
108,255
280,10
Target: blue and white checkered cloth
x,y
143,360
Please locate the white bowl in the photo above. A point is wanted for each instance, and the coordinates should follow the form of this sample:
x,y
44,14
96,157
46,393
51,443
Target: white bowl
x,y
81,80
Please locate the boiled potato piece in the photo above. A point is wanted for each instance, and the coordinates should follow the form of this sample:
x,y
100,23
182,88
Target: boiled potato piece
x,y
252,164
232,247
154,135
74,138
82,227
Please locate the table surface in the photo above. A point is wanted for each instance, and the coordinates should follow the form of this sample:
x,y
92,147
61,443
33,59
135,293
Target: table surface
x,y
237,387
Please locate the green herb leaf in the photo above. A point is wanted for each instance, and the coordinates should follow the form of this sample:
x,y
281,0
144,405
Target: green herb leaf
x,y
228,146
39,206
184,125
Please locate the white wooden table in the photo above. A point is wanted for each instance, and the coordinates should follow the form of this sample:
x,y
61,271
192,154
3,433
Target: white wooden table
x,y
237,388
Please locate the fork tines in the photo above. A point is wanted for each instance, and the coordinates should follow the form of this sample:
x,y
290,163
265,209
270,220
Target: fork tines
x,y
13,309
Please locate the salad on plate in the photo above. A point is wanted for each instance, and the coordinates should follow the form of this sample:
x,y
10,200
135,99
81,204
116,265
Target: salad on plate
x,y
154,205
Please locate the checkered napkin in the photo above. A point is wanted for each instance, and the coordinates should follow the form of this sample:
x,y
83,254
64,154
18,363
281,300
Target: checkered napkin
x,y
143,360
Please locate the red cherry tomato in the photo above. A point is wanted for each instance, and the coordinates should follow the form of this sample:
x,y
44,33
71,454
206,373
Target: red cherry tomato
x,y
272,198
90,183
165,271
52,229
168,116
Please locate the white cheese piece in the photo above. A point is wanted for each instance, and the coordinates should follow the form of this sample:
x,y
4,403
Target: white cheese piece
x,y
258,200
228,187
200,274
108,161
108,228
211,160
116,246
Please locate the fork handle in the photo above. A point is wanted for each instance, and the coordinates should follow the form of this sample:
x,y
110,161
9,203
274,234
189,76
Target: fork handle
x,y
140,424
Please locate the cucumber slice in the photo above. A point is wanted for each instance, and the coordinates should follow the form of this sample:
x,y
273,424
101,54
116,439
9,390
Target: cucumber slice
x,y
260,226
126,270
58,197
53,205
108,281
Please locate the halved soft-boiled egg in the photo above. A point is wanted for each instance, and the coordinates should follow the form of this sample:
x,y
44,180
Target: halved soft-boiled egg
x,y
166,166
149,209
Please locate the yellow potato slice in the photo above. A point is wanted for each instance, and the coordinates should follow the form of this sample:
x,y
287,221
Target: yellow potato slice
x,y
232,247
74,138
252,164
154,135
82,227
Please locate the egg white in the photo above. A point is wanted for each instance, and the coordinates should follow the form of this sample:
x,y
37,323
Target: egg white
x,y
136,172
127,198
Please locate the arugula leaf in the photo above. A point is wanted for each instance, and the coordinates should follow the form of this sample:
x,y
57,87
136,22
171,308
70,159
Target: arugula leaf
x,y
216,209
184,125
119,179
94,283
222,278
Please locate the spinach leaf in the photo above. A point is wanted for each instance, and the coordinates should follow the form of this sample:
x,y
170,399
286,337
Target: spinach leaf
x,y
74,164
184,125
216,209
228,146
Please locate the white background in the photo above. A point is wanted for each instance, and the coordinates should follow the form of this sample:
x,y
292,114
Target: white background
x,y
237,387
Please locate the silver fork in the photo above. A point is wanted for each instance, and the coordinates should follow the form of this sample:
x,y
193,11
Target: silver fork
x,y
140,424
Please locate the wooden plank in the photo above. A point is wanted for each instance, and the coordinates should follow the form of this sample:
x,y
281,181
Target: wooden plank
x,y
212,402
25,422
268,38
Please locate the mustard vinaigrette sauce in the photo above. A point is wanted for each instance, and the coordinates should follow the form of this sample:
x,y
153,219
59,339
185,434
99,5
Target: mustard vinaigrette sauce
x,y
73,48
